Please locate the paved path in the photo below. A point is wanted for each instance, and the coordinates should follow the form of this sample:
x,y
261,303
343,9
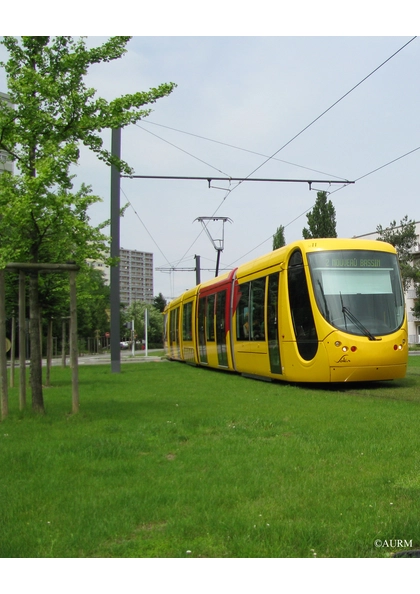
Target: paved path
x,y
126,357
104,359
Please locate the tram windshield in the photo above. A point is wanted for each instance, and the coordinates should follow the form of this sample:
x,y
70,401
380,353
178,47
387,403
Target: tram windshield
x,y
358,291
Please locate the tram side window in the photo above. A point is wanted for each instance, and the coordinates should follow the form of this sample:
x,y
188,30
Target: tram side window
x,y
257,331
187,321
165,328
173,326
242,313
250,311
201,325
210,317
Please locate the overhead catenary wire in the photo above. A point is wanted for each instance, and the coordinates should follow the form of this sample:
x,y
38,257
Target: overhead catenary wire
x,y
146,229
308,126
242,149
331,107
313,122
227,190
194,157
380,167
182,150
191,155
389,163
296,136
332,192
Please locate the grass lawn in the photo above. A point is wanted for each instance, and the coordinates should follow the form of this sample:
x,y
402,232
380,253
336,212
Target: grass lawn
x,y
167,460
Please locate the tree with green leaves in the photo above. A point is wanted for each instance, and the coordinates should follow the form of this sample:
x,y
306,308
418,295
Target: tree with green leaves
x,y
135,312
278,238
416,308
53,113
93,303
403,237
159,302
321,219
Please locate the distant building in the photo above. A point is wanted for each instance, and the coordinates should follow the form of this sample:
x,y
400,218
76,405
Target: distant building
x,y
136,276
99,265
410,294
5,163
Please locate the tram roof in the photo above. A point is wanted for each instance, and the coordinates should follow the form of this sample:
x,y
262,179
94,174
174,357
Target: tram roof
x,y
277,257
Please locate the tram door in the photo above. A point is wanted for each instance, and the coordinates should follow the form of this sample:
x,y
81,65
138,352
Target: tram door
x,y
174,333
221,329
202,349
273,323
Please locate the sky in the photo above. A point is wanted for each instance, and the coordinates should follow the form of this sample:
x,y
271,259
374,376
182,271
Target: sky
x,y
240,100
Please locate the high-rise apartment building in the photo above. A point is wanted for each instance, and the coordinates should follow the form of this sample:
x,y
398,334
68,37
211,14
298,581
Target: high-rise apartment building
x,y
136,276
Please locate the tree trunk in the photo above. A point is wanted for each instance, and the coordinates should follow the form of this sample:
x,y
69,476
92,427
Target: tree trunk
x,y
73,344
36,360
63,344
12,353
49,352
22,340
3,363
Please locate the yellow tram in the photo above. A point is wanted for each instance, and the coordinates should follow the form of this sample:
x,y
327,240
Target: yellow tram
x,y
321,310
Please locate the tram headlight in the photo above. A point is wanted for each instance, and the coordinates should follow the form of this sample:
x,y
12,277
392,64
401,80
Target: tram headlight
x,y
345,348
398,347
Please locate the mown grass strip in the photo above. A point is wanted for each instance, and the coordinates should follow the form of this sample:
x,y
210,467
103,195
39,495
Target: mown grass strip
x,y
166,460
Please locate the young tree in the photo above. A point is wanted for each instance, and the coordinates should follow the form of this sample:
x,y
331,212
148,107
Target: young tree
x,y
278,238
403,237
321,219
416,308
53,112
155,318
159,302
93,302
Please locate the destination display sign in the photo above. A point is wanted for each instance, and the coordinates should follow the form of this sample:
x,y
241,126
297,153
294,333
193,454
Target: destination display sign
x,y
353,262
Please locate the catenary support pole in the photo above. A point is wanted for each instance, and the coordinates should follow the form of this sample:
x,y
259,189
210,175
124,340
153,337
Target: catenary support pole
x,y
115,253
197,270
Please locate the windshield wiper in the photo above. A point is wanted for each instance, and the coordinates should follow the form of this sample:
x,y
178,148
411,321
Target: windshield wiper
x,y
327,312
355,321
358,323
